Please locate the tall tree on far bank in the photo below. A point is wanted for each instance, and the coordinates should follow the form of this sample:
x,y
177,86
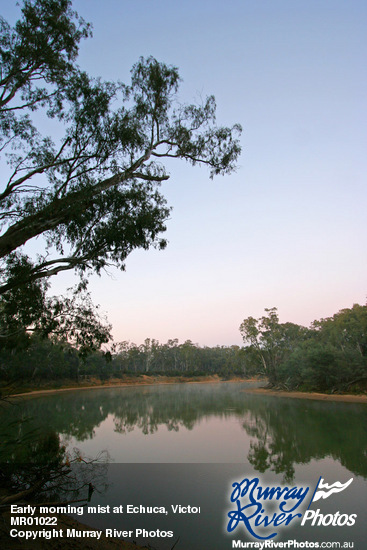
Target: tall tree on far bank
x,y
329,356
263,336
271,341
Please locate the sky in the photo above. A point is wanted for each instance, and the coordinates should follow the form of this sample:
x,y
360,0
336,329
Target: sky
x,y
288,229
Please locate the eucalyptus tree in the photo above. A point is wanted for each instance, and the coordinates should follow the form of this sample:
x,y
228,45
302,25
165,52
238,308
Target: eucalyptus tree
x,y
263,336
92,190
272,342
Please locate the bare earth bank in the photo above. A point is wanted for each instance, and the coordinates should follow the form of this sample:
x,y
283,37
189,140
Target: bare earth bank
x,y
130,381
346,398
154,380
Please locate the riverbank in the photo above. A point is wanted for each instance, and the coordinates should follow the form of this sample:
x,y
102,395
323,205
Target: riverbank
x,y
145,380
93,383
345,398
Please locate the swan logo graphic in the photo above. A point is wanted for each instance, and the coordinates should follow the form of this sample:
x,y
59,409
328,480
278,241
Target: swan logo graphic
x,y
323,490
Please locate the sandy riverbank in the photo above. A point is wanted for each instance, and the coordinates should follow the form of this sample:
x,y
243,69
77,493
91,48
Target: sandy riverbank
x,y
346,398
156,380
131,381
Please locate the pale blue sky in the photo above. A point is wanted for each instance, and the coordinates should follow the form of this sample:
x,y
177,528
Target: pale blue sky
x,y
289,228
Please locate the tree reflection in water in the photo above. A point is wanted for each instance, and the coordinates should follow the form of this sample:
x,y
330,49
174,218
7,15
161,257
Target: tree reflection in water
x,y
284,432
294,431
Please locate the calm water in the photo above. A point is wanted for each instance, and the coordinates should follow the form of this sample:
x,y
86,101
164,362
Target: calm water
x,y
186,444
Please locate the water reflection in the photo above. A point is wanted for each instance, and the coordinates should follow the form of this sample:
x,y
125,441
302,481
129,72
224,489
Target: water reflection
x,y
290,432
277,433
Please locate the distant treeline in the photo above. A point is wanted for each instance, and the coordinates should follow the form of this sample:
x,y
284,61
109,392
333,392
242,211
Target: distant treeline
x,y
44,359
331,355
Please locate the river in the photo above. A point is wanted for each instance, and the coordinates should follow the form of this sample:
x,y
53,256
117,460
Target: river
x,y
185,444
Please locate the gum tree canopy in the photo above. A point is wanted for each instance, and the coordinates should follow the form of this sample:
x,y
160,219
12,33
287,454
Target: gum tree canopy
x,y
92,193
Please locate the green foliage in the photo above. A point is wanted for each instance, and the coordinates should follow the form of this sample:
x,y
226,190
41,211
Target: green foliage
x,y
346,330
172,358
311,366
93,194
71,319
43,359
22,306
271,341
331,356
